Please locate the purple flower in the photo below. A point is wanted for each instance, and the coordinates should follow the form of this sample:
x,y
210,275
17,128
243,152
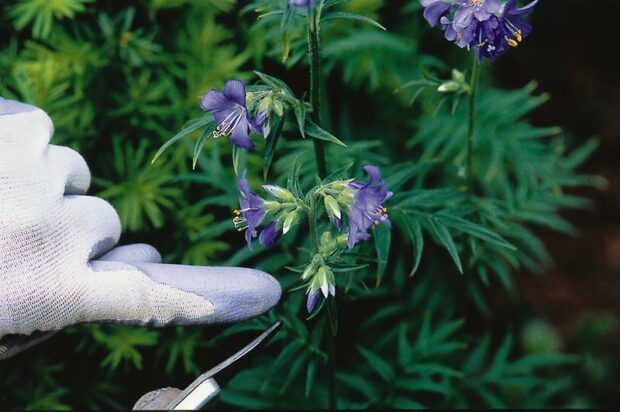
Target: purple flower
x,y
312,300
270,235
478,10
434,10
367,209
251,214
231,113
513,20
302,4
490,27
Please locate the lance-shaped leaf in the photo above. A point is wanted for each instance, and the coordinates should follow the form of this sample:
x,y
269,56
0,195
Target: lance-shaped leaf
x,y
343,15
316,132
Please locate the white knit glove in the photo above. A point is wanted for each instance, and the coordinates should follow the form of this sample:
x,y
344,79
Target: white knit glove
x,y
50,233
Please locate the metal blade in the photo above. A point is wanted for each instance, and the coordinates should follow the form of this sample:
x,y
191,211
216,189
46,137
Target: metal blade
x,y
203,388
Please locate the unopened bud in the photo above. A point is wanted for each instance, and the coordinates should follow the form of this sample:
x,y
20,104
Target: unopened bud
x,y
289,221
458,76
271,206
279,192
277,108
449,87
331,205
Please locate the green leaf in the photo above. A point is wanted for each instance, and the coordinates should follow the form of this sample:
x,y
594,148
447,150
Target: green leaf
x,y
310,372
472,229
501,356
206,133
236,157
383,240
300,115
292,181
383,368
191,127
446,239
317,132
335,15
415,234
277,84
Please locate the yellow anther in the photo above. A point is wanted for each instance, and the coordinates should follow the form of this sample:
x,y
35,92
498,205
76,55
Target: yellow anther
x,y
512,43
519,37
237,212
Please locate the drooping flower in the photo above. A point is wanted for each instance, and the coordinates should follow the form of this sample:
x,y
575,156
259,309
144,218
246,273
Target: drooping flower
x,y
270,235
367,209
489,27
251,212
231,114
323,282
302,4
312,300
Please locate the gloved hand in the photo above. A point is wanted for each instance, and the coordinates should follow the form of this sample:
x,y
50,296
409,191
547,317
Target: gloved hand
x,y
57,265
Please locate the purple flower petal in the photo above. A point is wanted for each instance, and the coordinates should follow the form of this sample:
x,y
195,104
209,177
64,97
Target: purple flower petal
x,y
337,222
255,127
270,235
435,10
235,90
215,100
313,299
367,209
251,213
240,135
511,8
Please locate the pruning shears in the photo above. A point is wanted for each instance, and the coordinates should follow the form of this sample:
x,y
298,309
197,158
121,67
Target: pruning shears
x,y
204,388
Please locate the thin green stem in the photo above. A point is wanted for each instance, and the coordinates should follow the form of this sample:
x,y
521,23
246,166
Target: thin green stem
x,y
475,75
314,53
331,353
331,345
314,232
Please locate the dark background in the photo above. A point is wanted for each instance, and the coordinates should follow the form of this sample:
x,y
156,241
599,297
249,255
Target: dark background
x,y
573,56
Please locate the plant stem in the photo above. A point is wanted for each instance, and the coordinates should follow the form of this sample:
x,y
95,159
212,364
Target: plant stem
x,y
475,75
331,365
331,345
314,233
314,53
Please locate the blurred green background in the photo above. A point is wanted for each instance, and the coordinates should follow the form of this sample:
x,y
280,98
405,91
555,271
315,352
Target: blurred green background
x,y
119,79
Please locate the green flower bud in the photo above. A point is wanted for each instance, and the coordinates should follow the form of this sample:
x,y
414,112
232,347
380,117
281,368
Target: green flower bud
x,y
458,76
271,206
265,104
277,108
328,245
331,205
309,271
280,193
449,87
289,221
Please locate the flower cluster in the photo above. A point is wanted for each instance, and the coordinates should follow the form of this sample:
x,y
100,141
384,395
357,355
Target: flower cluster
x,y
490,27
233,108
361,202
254,209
